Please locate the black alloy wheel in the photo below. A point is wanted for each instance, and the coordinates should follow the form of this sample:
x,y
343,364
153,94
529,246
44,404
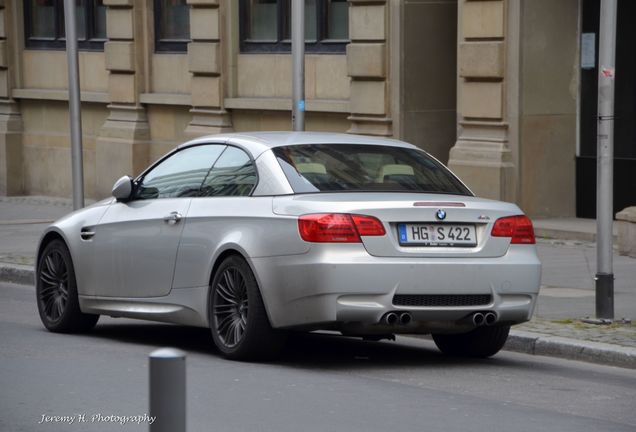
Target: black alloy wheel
x,y
56,292
238,320
230,307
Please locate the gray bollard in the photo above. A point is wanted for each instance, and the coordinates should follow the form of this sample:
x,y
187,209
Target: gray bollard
x,y
168,390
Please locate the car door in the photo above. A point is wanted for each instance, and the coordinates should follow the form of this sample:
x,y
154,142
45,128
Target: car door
x,y
136,242
224,210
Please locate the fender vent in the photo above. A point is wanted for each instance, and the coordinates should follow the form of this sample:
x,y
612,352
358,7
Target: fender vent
x,y
437,300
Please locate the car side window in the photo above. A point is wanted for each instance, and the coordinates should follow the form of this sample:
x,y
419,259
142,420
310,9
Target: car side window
x,y
233,174
180,175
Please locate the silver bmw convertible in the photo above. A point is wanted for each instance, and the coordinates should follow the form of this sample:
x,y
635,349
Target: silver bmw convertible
x,y
256,235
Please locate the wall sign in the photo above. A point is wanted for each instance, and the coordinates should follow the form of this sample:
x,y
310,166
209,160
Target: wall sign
x,y
588,50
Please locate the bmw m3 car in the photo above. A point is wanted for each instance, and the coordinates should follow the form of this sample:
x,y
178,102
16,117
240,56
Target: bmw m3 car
x,y
254,235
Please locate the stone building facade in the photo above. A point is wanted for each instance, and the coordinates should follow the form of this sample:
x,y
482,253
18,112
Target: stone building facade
x,y
491,87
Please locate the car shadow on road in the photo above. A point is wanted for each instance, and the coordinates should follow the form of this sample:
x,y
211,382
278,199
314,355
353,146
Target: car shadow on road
x,y
189,339
331,351
302,350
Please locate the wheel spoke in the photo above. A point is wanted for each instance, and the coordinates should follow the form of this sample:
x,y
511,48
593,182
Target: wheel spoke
x,y
50,265
48,305
224,308
242,289
55,311
224,323
229,333
58,307
229,281
48,290
53,308
60,268
237,331
225,294
47,277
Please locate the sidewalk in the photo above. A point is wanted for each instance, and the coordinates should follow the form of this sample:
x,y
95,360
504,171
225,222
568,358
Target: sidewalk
x,y
567,229
567,292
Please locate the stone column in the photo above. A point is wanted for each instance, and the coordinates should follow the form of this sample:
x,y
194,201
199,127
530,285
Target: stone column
x,y
123,143
482,156
367,67
205,63
11,182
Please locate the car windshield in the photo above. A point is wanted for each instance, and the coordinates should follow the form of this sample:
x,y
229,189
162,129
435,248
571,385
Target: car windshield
x,y
364,168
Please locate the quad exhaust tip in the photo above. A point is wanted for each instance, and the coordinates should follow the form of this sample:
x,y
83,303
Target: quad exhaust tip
x,y
393,318
478,319
405,318
488,318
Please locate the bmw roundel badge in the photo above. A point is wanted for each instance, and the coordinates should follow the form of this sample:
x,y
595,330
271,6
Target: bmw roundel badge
x,y
441,214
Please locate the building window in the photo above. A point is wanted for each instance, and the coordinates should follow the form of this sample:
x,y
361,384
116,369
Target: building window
x,y
44,24
172,25
265,25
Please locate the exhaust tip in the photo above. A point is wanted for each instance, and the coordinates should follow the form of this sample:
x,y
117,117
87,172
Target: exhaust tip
x,y
478,318
391,318
490,318
405,318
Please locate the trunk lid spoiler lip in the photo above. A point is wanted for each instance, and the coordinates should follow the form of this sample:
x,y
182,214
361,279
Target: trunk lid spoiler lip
x,y
438,204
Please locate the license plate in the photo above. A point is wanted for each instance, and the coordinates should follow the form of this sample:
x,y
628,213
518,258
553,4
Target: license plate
x,y
454,235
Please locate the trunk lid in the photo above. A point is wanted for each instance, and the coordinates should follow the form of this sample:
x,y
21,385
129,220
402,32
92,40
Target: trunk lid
x,y
411,210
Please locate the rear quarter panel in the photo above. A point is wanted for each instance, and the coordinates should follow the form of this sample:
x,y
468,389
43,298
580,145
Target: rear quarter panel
x,y
244,224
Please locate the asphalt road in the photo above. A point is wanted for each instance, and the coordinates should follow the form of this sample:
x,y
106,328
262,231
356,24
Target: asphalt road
x,y
321,383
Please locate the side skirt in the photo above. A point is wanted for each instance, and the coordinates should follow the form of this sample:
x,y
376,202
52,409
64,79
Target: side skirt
x,y
186,306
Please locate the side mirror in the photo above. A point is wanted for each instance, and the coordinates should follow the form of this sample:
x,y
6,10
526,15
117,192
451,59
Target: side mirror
x,y
123,188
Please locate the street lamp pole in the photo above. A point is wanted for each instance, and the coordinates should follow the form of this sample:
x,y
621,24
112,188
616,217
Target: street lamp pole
x,y
74,104
605,160
298,64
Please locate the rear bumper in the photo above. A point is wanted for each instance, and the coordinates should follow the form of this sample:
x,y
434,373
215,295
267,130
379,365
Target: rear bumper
x,y
342,286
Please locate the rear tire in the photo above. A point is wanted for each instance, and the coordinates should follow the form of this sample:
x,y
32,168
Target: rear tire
x,y
56,292
238,320
481,342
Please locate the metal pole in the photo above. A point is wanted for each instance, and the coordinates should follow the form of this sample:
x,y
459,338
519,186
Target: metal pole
x,y
168,390
605,160
74,104
298,65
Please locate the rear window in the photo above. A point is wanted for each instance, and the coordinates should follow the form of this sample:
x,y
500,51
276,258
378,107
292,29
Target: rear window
x,y
364,168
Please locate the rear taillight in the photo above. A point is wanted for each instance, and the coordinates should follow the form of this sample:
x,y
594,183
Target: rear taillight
x,y
338,227
368,225
518,228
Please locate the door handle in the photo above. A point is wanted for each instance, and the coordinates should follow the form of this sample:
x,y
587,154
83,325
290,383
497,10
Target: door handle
x,y
172,218
87,234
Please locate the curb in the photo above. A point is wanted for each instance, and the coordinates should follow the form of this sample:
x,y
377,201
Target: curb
x,y
547,233
518,341
559,234
571,349
16,273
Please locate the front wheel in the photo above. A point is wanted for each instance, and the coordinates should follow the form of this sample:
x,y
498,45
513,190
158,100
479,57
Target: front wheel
x,y
238,320
56,292
481,342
